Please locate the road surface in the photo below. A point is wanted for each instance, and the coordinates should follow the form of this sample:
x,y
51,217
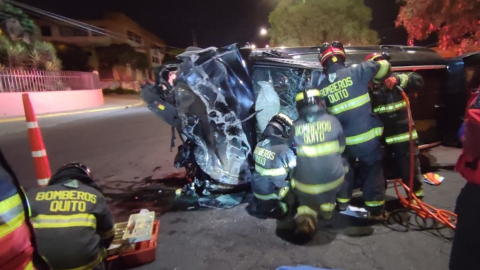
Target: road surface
x,y
127,148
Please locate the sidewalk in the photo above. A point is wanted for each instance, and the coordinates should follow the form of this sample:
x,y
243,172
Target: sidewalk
x,y
112,103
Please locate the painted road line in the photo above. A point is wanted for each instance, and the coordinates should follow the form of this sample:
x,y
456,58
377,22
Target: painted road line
x,y
71,113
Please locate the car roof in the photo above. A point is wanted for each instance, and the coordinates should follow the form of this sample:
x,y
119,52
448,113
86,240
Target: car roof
x,y
400,55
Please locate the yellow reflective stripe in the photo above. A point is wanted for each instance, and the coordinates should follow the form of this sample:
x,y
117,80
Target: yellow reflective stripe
x,y
306,211
374,203
327,207
403,80
107,234
29,266
343,200
284,207
404,137
283,192
272,196
317,150
318,188
383,71
310,93
350,104
89,266
342,149
365,137
270,172
64,221
11,214
419,193
390,107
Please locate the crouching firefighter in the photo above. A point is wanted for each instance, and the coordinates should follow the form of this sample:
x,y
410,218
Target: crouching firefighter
x,y
345,91
71,220
274,161
320,169
389,105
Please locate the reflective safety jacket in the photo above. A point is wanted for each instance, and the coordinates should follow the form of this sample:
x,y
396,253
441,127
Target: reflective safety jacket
x,y
345,92
390,106
72,224
320,143
273,162
16,250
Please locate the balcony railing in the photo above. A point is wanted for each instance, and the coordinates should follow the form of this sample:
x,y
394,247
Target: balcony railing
x,y
17,80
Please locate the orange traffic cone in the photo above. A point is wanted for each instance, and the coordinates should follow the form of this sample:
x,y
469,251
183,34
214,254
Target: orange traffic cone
x,y
40,159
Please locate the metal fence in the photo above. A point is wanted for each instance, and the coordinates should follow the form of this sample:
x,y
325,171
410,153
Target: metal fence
x,y
17,80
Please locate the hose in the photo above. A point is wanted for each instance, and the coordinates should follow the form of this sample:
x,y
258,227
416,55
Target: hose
x,y
424,210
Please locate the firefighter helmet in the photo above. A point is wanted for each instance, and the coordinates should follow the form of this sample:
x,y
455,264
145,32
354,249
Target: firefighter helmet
x,y
333,51
308,97
283,122
73,170
378,56
84,169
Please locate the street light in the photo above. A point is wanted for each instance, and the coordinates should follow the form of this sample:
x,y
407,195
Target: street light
x,y
267,46
263,32
253,46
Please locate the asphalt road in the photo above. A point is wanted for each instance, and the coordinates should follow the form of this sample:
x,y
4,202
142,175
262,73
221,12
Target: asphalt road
x,y
118,145
131,146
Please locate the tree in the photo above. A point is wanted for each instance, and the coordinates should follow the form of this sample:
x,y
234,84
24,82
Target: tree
x,y
18,45
73,57
455,21
312,22
16,24
120,56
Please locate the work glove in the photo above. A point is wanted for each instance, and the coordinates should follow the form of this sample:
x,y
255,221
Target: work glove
x,y
391,82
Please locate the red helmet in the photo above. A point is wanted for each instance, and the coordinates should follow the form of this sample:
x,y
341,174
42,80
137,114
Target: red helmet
x,y
329,50
377,56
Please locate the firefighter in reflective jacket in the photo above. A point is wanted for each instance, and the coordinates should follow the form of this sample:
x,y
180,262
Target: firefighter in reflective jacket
x,y
320,169
72,223
17,246
389,105
345,91
273,162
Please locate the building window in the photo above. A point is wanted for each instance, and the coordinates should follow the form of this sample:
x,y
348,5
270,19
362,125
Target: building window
x,y
134,37
155,60
46,31
66,31
96,34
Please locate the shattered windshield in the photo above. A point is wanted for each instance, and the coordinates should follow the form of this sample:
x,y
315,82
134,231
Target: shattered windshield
x,y
275,90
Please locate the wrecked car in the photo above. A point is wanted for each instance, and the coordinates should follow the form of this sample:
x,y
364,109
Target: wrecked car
x,y
222,99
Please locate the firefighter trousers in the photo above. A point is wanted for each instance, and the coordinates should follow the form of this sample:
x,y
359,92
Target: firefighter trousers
x,y
273,202
316,200
401,159
465,253
373,181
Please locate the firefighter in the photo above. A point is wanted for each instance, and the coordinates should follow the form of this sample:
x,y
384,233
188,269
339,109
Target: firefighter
x,y
320,170
72,223
274,161
391,108
17,243
345,91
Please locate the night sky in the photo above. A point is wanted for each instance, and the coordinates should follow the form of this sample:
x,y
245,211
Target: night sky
x,y
215,22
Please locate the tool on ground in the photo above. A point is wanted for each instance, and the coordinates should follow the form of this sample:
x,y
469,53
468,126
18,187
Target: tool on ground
x,y
433,179
424,210
40,159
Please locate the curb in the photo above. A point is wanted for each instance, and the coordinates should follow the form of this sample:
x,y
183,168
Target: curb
x,y
8,120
